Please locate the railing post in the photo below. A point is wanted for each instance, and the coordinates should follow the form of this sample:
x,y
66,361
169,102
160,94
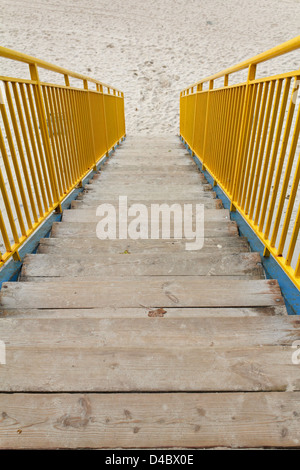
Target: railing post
x,y
245,117
104,117
67,80
117,116
86,87
123,116
45,135
198,88
210,87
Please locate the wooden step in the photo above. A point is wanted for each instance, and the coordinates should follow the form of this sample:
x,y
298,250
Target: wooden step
x,y
165,194
154,170
83,367
192,179
147,420
87,229
149,191
84,246
183,168
142,312
146,291
175,264
150,332
89,214
89,194
83,202
149,162
149,184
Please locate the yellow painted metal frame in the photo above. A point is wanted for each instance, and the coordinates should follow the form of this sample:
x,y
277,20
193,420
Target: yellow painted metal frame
x,y
241,133
55,135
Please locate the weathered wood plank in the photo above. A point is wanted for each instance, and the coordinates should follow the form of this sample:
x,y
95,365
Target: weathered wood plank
x,y
88,230
165,170
141,312
153,178
149,188
105,369
175,264
158,420
150,332
176,291
157,197
89,215
163,193
89,246
134,168
93,203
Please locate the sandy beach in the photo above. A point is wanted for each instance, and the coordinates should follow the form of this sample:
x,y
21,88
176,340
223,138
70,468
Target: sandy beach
x,y
150,50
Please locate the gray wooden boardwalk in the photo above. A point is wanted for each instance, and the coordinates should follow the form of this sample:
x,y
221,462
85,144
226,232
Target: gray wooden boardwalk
x,y
125,343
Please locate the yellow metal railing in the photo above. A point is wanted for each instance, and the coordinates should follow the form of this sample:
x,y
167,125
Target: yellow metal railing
x,y
247,136
51,136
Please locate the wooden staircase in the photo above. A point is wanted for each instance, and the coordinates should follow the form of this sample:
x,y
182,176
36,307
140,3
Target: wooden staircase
x,y
141,343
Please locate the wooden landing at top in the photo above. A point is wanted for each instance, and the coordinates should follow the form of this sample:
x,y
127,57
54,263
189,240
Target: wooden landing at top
x,y
127,341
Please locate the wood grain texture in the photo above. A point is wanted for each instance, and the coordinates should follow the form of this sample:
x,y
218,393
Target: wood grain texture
x,y
142,312
89,215
209,202
156,292
176,264
150,420
87,246
88,229
150,332
128,369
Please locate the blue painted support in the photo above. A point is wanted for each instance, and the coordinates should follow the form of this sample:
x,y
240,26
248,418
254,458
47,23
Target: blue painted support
x,y
273,270
11,270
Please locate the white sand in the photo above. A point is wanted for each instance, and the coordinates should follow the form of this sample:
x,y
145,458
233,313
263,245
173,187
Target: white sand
x,y
149,49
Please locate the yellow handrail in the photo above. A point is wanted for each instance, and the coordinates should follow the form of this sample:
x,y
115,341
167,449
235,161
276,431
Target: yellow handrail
x,y
51,136
247,136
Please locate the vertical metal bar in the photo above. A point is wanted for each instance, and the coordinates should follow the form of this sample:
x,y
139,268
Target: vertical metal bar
x,y
11,185
279,167
67,135
254,171
262,144
210,87
54,150
251,140
75,104
16,168
7,203
287,174
44,132
235,140
4,234
293,241
268,152
71,124
34,149
273,159
60,150
245,160
39,145
104,118
229,140
61,136
243,128
21,153
27,148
